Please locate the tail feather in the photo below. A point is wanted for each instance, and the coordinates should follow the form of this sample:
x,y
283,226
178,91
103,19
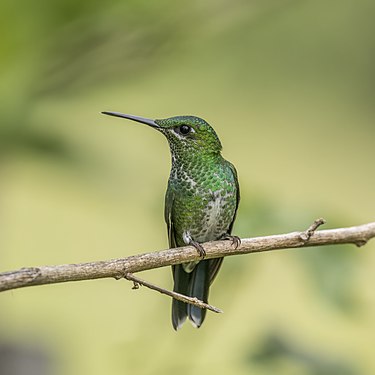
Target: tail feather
x,y
181,285
199,287
193,284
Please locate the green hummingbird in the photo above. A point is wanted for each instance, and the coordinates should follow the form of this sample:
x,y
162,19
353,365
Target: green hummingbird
x,y
200,204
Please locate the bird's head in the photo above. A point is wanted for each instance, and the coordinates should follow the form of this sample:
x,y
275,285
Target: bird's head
x,y
185,134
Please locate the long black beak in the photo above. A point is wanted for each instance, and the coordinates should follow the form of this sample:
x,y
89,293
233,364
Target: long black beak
x,y
142,120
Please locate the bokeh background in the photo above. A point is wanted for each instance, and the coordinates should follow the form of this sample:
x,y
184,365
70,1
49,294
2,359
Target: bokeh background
x,y
289,87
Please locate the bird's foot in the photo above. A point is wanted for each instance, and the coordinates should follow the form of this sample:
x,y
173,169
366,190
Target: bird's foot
x,y
236,241
199,247
189,241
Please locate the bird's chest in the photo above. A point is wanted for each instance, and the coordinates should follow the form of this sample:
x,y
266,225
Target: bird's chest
x,y
204,207
214,220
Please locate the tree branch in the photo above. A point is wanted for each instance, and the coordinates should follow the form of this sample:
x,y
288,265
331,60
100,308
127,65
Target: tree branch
x,y
117,268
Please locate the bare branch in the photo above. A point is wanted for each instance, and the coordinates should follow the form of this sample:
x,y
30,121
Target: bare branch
x,y
181,297
358,235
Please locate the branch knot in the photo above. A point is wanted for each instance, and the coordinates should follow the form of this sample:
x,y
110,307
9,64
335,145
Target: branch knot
x,y
306,235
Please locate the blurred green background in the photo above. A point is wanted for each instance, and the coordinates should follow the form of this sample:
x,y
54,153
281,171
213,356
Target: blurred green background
x,y
288,86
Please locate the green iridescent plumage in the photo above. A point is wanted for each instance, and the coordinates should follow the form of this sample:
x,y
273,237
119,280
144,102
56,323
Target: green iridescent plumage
x,y
200,203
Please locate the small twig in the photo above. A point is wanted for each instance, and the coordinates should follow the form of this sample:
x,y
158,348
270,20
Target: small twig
x,y
136,285
305,236
180,297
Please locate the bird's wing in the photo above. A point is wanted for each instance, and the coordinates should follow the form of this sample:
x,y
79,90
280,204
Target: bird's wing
x,y
180,277
233,169
169,199
215,264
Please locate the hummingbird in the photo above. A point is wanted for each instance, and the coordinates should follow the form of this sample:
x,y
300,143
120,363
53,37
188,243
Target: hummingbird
x,y
201,202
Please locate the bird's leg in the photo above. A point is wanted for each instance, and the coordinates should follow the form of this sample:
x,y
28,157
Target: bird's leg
x,y
236,241
189,241
199,247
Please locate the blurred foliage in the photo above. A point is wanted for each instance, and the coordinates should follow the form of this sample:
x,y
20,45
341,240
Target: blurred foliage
x,y
288,85
24,359
331,270
277,349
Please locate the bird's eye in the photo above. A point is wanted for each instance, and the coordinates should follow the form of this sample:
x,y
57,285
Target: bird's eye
x,y
184,129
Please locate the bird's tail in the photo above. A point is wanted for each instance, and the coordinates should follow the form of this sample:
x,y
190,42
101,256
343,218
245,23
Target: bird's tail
x,y
181,285
199,288
193,284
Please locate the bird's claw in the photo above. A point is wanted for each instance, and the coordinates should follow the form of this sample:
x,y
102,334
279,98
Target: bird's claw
x,y
199,247
236,241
